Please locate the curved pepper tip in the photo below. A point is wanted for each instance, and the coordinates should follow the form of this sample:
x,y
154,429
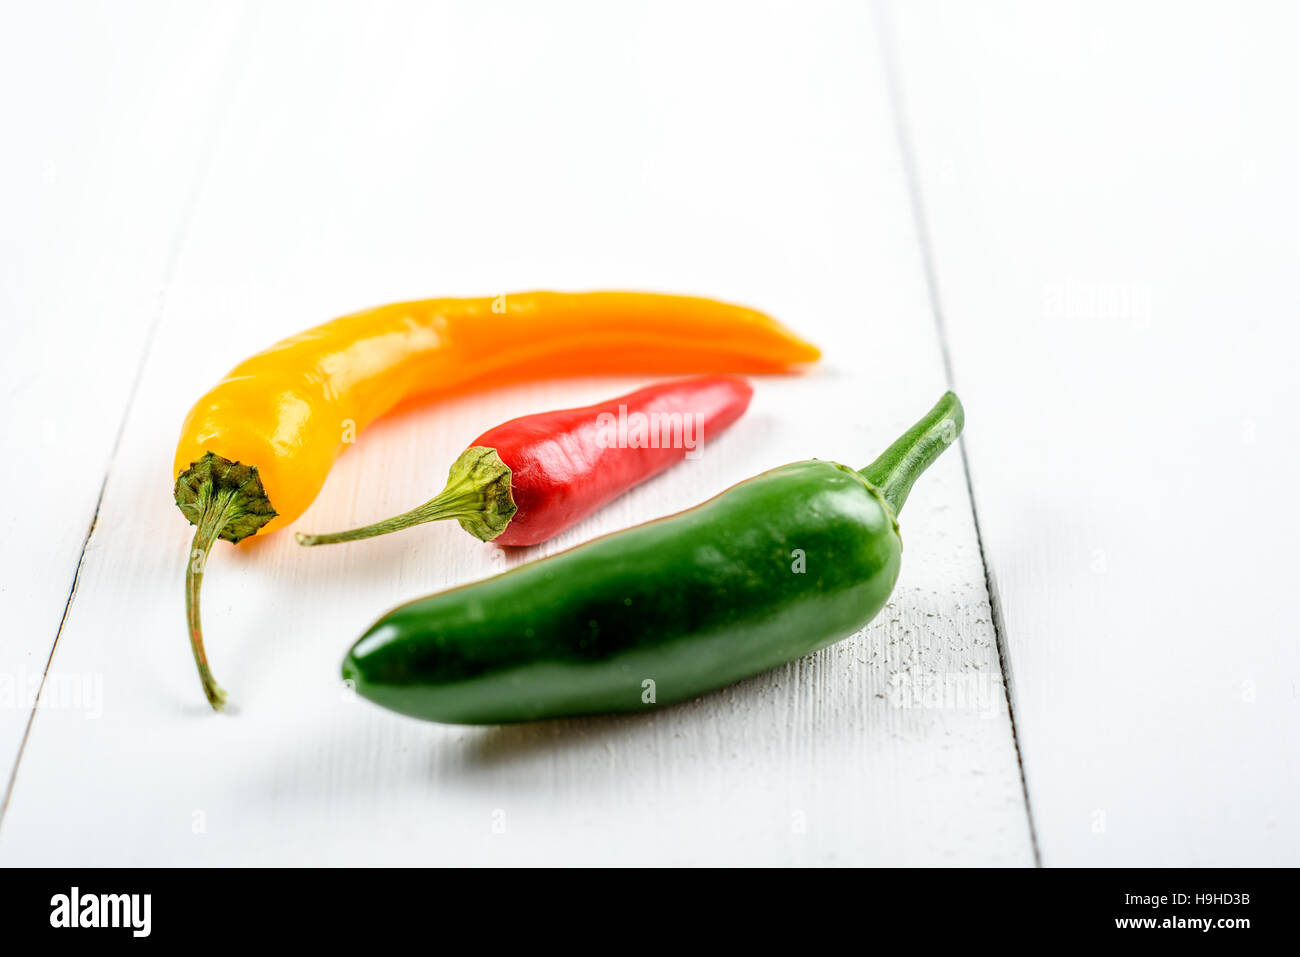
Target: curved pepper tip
x,y
801,350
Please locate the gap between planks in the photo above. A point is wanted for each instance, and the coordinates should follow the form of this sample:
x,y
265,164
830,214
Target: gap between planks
x,y
238,61
894,91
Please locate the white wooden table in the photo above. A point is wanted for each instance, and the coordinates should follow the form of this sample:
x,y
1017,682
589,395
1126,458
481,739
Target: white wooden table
x,y
1081,216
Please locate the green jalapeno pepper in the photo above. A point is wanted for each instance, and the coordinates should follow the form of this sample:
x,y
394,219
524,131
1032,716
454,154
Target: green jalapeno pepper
x,y
770,570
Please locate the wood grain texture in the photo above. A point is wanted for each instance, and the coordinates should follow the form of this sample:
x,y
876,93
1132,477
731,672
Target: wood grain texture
x,y
97,180
1111,197
383,152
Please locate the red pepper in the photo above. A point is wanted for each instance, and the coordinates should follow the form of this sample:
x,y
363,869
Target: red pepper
x,y
530,478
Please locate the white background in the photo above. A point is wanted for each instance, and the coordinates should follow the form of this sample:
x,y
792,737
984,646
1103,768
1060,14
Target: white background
x,y
1081,216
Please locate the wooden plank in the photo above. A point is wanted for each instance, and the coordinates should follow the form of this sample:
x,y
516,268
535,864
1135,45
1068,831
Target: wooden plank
x,y
1110,193
718,149
96,181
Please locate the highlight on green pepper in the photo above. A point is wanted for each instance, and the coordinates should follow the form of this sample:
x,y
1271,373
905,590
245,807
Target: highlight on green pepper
x,y
770,570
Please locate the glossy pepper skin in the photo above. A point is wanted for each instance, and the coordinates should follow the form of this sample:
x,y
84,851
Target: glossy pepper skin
x,y
529,479
256,449
772,569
